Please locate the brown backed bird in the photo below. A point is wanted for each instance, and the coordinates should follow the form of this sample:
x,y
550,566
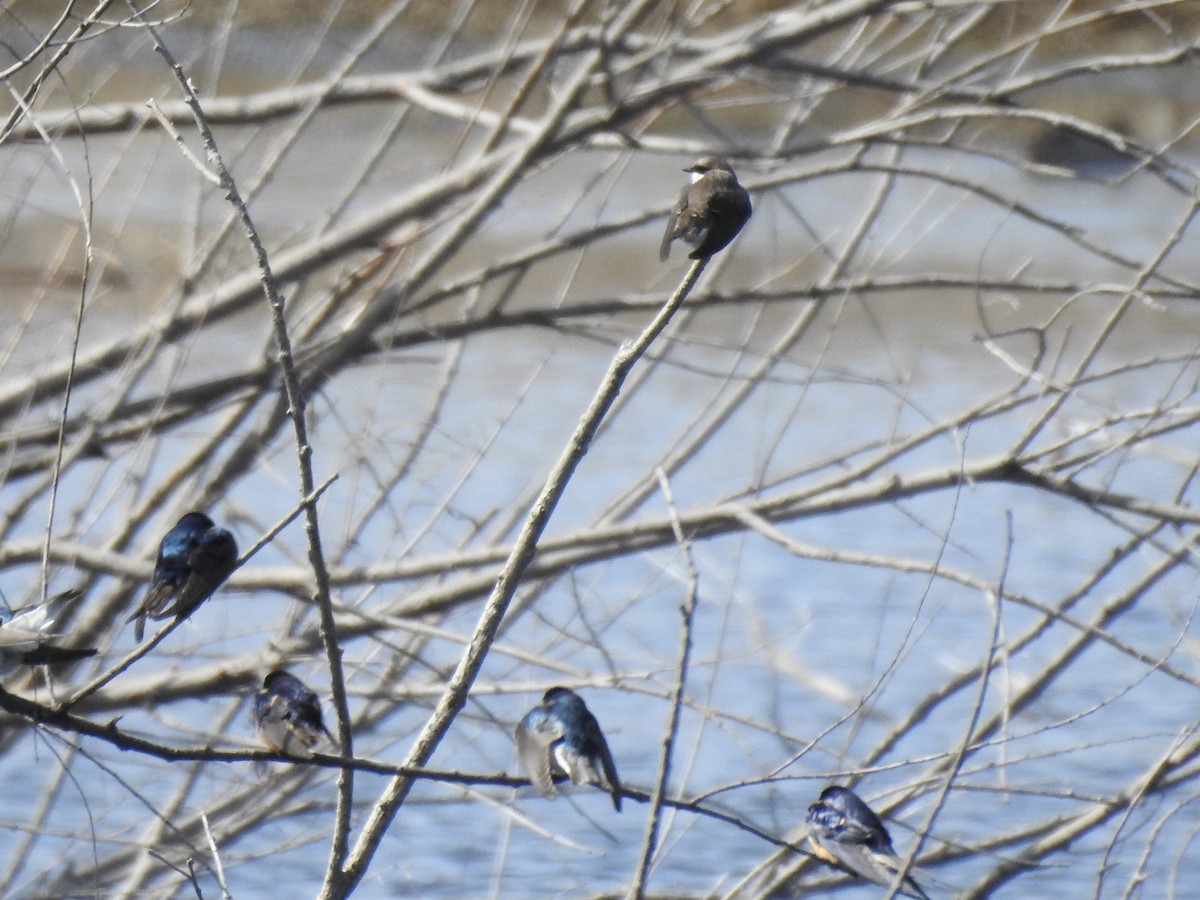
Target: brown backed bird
x,y
710,212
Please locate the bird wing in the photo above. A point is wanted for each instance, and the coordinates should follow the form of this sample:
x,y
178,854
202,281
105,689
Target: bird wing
x,y
852,831
209,563
170,573
157,596
607,766
270,718
882,868
20,639
664,249
24,634
854,858
304,715
299,734
310,712
535,735
41,617
198,588
868,864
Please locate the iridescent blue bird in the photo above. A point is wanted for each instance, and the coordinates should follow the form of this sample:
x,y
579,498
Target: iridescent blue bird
x,y
288,715
846,833
562,738
193,559
25,635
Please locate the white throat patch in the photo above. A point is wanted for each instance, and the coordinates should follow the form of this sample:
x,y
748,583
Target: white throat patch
x,y
696,176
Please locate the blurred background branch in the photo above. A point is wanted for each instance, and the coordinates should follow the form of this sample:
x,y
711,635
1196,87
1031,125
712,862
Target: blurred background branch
x,y
967,296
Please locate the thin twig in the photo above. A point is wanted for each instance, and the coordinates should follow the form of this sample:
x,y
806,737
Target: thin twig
x,y
296,412
85,217
218,868
687,612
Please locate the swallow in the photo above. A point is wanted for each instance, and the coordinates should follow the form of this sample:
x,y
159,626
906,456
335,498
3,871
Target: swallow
x,y
562,738
288,715
25,634
710,212
193,559
844,832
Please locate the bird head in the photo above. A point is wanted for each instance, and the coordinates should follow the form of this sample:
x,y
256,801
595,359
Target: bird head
x,y
706,164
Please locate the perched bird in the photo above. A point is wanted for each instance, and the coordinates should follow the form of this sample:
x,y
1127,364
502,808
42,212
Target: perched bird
x,y
846,833
710,212
25,634
193,559
561,737
288,715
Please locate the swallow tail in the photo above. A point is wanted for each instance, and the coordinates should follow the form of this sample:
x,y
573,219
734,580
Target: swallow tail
x,y
46,655
908,885
881,868
609,771
866,863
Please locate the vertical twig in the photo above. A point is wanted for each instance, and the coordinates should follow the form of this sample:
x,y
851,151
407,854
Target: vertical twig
x,y
218,867
688,613
85,216
296,412
969,735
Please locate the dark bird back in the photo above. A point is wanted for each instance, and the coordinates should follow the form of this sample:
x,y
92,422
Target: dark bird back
x,y
288,714
562,738
194,558
710,211
845,832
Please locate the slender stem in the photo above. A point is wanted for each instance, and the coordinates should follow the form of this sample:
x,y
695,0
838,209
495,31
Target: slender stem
x,y
296,412
688,612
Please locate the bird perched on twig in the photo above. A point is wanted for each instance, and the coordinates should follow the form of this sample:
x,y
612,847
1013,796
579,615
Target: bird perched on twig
x,y
561,737
710,212
288,715
845,832
193,559
25,634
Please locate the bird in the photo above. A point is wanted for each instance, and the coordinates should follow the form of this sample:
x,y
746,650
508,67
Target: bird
x,y
25,634
710,212
846,833
288,714
193,559
560,737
